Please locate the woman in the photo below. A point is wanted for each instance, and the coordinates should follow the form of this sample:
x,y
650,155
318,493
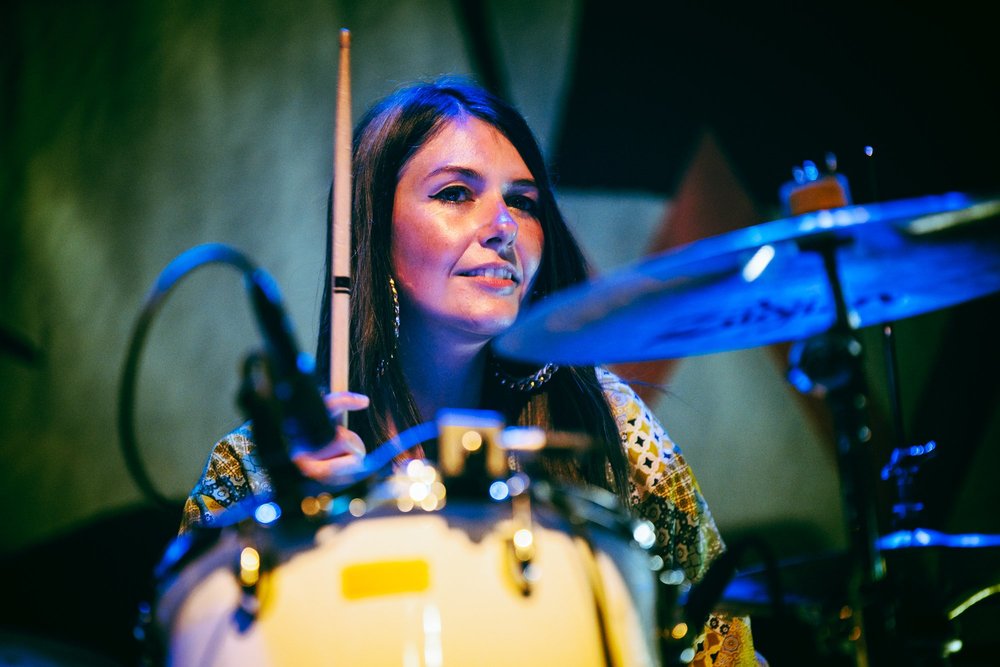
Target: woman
x,y
455,229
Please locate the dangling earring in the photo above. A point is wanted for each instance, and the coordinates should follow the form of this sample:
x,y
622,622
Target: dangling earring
x,y
527,383
382,364
395,312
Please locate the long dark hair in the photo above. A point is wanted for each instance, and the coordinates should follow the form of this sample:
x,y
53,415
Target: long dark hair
x,y
384,140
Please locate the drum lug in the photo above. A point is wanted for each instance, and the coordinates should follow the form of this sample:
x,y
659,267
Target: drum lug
x,y
251,568
521,544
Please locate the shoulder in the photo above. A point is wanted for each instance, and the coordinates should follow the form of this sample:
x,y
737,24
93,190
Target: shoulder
x,y
232,475
621,398
234,459
640,429
236,445
657,464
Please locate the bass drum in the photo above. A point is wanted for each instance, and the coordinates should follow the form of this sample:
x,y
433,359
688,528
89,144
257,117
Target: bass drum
x,y
420,589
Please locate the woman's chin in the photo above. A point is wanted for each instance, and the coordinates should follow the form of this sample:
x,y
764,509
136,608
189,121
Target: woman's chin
x,y
489,325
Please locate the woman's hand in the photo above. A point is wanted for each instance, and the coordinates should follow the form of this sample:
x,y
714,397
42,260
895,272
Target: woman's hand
x,y
344,452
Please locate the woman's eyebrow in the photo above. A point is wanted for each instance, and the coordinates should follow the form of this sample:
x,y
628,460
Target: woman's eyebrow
x,y
467,172
474,175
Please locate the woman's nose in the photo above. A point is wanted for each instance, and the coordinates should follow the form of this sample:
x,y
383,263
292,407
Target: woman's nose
x,y
502,228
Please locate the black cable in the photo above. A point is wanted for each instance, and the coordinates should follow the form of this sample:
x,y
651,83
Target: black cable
x,y
709,592
305,420
182,265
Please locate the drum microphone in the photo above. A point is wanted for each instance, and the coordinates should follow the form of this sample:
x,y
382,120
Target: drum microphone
x,y
305,419
285,400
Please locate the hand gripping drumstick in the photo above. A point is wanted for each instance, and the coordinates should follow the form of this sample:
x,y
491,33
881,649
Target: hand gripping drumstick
x,y
340,223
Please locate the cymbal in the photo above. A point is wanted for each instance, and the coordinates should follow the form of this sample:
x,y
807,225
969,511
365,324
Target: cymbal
x,y
767,284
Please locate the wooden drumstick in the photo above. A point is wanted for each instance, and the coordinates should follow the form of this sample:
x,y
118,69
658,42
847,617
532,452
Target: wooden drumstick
x,y
340,221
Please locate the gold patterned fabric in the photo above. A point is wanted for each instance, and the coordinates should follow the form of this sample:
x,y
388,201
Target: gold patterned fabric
x,y
233,475
664,491
726,641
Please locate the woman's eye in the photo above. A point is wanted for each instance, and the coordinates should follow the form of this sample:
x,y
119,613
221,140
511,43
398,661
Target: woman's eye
x,y
453,193
523,203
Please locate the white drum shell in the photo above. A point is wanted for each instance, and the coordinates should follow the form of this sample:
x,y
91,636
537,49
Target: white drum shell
x,y
469,610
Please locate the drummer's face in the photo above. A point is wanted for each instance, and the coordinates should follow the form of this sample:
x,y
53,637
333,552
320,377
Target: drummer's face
x,y
466,239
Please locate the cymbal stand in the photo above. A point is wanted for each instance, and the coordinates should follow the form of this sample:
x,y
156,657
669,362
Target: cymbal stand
x,y
905,461
924,629
892,382
830,365
903,464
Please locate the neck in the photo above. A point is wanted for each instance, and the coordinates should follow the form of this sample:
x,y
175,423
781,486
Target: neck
x,y
443,374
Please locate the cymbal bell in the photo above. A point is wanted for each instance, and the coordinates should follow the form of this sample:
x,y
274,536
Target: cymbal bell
x,y
767,284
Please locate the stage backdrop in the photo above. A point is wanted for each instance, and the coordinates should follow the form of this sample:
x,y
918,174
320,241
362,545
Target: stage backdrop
x,y
140,130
